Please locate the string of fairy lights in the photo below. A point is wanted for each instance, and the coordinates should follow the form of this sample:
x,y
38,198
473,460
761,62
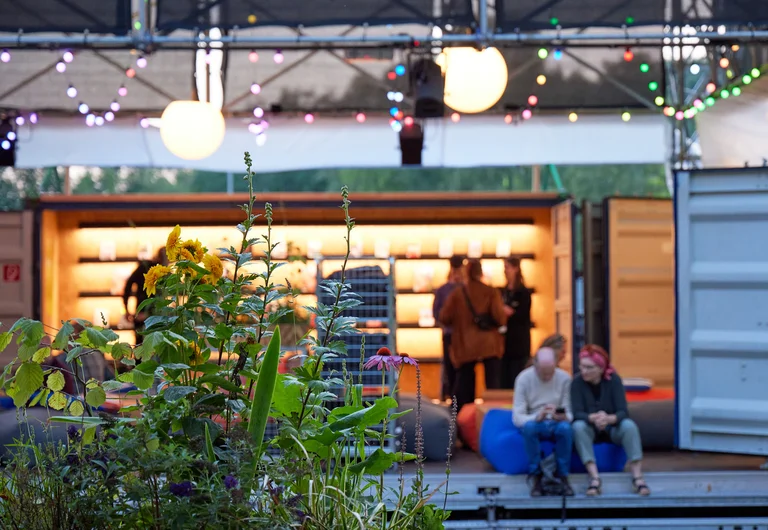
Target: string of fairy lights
x,y
722,58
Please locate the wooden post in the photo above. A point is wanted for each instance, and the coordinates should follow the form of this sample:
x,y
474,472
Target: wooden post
x,y
536,178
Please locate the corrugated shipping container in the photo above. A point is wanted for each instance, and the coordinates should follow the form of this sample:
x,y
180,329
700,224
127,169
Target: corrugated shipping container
x,y
721,223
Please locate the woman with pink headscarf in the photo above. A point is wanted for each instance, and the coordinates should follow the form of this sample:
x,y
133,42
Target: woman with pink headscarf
x,y
600,413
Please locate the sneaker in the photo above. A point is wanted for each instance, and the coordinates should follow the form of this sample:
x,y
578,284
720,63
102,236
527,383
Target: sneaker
x,y
566,485
535,481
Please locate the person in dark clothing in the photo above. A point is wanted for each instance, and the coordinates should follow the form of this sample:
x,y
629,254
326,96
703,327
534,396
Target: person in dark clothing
x,y
517,307
134,286
455,277
600,411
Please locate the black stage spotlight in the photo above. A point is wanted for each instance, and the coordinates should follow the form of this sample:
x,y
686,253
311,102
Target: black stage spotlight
x,y
428,85
411,142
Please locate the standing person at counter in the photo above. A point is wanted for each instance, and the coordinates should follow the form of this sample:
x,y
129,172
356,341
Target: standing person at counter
x,y
134,286
474,313
455,278
517,308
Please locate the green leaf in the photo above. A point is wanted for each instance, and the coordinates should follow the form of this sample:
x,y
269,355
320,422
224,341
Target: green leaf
x,y
57,401
96,337
62,337
148,367
76,408
26,351
265,388
120,350
127,377
287,397
29,378
175,393
367,417
220,381
209,444
175,366
142,380
398,415
376,464
96,397
147,348
88,434
41,396
153,444
41,355
56,381
74,352
32,332
194,427
5,340
111,386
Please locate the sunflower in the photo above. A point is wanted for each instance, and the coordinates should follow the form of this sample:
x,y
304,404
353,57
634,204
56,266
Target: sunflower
x,y
192,251
152,276
213,264
173,245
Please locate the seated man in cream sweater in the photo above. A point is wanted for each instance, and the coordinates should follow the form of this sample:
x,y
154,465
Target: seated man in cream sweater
x,y
542,411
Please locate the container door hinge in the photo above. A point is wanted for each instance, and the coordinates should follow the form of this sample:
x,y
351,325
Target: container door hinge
x,y
490,495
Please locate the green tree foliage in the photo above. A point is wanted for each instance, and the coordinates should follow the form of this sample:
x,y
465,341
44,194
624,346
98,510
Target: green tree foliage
x,y
582,182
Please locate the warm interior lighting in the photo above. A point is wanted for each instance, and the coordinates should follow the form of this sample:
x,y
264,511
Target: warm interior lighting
x,y
192,130
474,80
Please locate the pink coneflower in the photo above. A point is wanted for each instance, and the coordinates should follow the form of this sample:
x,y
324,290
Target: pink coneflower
x,y
383,360
407,359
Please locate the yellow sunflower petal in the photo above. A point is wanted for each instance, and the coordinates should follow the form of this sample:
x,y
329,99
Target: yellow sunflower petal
x,y
173,244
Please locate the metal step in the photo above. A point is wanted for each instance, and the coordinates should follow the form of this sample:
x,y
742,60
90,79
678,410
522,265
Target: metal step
x,y
616,524
669,490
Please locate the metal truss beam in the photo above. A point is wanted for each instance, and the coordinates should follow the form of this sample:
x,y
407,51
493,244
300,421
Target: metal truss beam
x,y
234,41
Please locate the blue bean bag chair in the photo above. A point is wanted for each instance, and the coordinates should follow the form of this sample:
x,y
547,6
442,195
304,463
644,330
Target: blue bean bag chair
x,y
502,445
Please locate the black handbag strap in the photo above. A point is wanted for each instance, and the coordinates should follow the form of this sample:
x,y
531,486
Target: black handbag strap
x,y
469,302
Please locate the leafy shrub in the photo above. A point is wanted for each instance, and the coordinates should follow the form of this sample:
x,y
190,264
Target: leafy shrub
x,y
191,453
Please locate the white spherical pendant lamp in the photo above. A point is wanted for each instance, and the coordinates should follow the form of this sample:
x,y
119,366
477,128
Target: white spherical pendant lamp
x,y
192,130
474,80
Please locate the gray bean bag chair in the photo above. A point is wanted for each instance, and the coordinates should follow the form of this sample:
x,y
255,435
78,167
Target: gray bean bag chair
x,y
656,421
436,424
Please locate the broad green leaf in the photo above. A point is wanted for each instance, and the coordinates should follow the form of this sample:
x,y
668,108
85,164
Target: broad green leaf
x,y
26,351
89,434
287,397
110,335
56,381
57,401
74,352
41,355
148,367
376,464
31,332
367,417
398,415
142,380
120,350
147,348
91,384
96,337
96,397
62,337
220,381
111,386
5,340
153,444
127,377
76,408
175,393
29,377
175,366
41,397
209,445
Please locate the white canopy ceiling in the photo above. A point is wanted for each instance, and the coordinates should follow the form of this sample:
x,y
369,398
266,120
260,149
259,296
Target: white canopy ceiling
x,y
292,144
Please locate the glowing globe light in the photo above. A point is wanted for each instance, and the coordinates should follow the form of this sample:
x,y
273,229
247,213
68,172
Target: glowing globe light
x,y
508,119
408,121
255,89
558,54
644,68
192,130
5,145
736,91
5,56
61,67
572,117
115,106
543,53
99,121
695,69
83,108
20,120
626,116
724,62
669,111
109,115
11,135
746,79
724,94
653,86
628,55
72,91
679,115
258,112
141,62
33,118
278,57
474,80
90,120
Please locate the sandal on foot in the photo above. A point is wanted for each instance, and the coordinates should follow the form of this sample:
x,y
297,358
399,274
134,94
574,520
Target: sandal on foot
x,y
640,487
595,487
